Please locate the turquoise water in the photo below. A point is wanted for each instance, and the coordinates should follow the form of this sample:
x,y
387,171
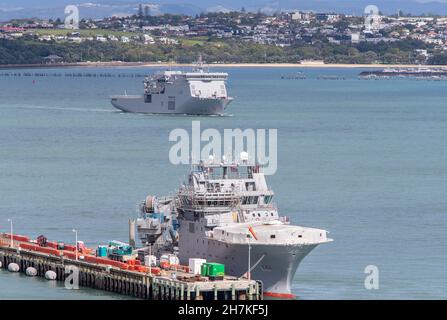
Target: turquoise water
x,y
366,160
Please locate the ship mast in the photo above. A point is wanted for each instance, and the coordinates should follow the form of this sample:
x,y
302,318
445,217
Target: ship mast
x,y
199,65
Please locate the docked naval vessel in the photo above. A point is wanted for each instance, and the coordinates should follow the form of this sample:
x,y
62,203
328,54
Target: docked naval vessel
x,y
199,92
225,213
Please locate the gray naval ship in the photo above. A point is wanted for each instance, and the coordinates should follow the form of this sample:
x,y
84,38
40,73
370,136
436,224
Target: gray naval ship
x,y
175,92
225,213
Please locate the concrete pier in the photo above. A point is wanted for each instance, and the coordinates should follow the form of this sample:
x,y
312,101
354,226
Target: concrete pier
x,y
130,283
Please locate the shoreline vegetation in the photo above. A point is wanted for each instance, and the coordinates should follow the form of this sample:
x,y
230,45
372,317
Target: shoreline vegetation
x,y
31,52
115,64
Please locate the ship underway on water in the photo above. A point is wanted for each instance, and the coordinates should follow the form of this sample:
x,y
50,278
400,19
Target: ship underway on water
x,y
225,213
199,92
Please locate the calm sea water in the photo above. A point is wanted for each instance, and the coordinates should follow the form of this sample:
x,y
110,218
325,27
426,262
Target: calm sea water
x,y
366,160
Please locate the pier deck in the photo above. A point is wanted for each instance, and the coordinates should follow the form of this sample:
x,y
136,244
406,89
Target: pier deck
x,y
167,285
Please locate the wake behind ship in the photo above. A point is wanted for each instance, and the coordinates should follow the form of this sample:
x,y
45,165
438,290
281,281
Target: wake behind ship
x,y
175,92
225,214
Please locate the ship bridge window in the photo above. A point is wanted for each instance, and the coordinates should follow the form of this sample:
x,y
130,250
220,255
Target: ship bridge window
x,y
268,199
250,186
250,200
273,236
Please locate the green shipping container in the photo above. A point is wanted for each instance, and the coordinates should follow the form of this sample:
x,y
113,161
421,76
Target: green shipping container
x,y
204,270
216,269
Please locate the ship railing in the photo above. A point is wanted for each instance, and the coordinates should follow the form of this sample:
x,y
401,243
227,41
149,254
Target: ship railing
x,y
207,210
207,76
269,206
284,219
209,193
223,206
230,175
207,206
208,201
285,239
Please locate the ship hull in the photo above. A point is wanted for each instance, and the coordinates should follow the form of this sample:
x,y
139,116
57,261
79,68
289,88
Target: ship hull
x,y
189,106
274,265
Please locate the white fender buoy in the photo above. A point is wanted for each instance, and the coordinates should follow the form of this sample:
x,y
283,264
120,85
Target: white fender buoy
x,y
50,275
31,272
13,267
1,265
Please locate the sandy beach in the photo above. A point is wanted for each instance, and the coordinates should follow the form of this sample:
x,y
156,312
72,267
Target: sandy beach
x,y
216,65
295,65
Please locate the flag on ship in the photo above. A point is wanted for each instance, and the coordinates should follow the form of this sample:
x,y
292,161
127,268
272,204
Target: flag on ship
x,y
253,233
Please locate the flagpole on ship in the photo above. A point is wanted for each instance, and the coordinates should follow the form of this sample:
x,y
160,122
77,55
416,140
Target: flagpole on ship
x,y
249,259
250,229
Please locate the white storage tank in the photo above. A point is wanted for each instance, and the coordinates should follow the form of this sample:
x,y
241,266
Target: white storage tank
x,y
195,264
